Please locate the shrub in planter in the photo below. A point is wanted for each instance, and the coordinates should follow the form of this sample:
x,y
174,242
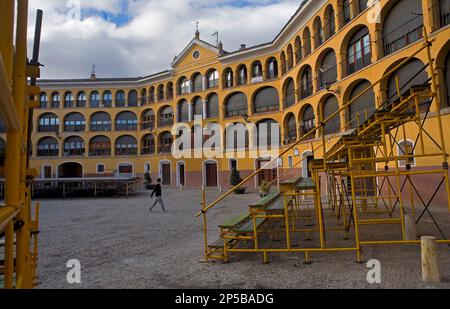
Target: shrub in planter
x,y
236,179
148,182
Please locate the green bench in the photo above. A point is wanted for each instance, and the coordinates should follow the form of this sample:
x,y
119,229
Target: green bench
x,y
290,184
235,221
266,200
248,226
306,184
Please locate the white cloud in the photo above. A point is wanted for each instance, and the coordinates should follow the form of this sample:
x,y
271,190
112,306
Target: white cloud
x,y
155,32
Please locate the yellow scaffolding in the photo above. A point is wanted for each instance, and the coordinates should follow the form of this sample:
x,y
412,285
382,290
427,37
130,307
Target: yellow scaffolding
x,y
358,192
17,98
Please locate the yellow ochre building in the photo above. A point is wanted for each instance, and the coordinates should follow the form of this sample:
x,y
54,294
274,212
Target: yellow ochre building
x,y
328,53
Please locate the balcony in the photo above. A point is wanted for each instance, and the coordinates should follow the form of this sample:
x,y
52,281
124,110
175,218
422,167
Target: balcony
x,y
236,112
148,150
48,152
101,127
48,128
126,151
165,148
76,152
148,125
165,122
126,126
74,128
266,109
408,33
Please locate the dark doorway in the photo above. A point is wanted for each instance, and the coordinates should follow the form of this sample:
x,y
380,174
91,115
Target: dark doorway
x,y
165,167
47,172
182,179
211,175
266,174
70,170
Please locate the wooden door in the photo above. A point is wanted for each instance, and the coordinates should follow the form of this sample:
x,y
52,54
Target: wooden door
x,y
266,174
181,175
166,174
47,172
211,175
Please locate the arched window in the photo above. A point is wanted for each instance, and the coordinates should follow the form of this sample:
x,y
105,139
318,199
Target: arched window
x,y
242,75
165,142
81,99
346,13
331,106
308,121
257,70
403,25
197,107
444,13
289,93
410,74
298,50
74,146
272,68
126,121
197,82
362,5
184,86
148,120
143,98
266,130
43,100
212,106
266,100
406,149
213,79
68,100
183,111
228,80
101,122
236,105
447,81
165,117
48,123
290,58
56,99
364,106
306,42
95,99
148,145
359,53
318,32
100,146
237,137
74,122
120,99
126,146
107,99
132,98
151,95
327,70
161,93
48,147
306,85
330,22
283,62
169,91
290,129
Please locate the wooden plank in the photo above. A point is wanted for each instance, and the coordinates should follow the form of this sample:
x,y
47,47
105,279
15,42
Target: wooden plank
x,y
233,222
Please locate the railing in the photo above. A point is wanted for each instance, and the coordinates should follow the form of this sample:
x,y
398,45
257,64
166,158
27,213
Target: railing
x,y
305,137
289,100
148,125
403,35
48,153
48,129
148,150
236,112
99,152
77,152
126,127
126,151
268,108
326,77
165,122
165,149
74,128
101,127
345,15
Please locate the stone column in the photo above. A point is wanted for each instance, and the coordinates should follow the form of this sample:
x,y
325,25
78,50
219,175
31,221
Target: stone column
x,y
205,109
190,111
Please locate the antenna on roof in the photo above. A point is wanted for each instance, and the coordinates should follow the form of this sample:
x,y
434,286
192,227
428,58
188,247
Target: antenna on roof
x,y
93,72
216,34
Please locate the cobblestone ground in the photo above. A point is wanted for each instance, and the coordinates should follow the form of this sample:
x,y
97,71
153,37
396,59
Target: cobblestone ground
x,y
121,245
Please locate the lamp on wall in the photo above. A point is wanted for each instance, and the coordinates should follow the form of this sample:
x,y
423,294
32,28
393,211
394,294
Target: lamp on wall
x,y
296,152
328,85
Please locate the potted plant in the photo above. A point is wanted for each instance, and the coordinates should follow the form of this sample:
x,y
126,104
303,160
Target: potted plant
x,y
148,182
264,188
235,179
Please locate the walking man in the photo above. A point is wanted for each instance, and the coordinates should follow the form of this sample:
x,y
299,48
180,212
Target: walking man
x,y
158,195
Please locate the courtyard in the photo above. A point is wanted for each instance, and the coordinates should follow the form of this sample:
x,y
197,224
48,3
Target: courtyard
x,y
120,244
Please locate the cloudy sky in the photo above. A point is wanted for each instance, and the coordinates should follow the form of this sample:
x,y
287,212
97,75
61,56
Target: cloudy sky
x,y
129,38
